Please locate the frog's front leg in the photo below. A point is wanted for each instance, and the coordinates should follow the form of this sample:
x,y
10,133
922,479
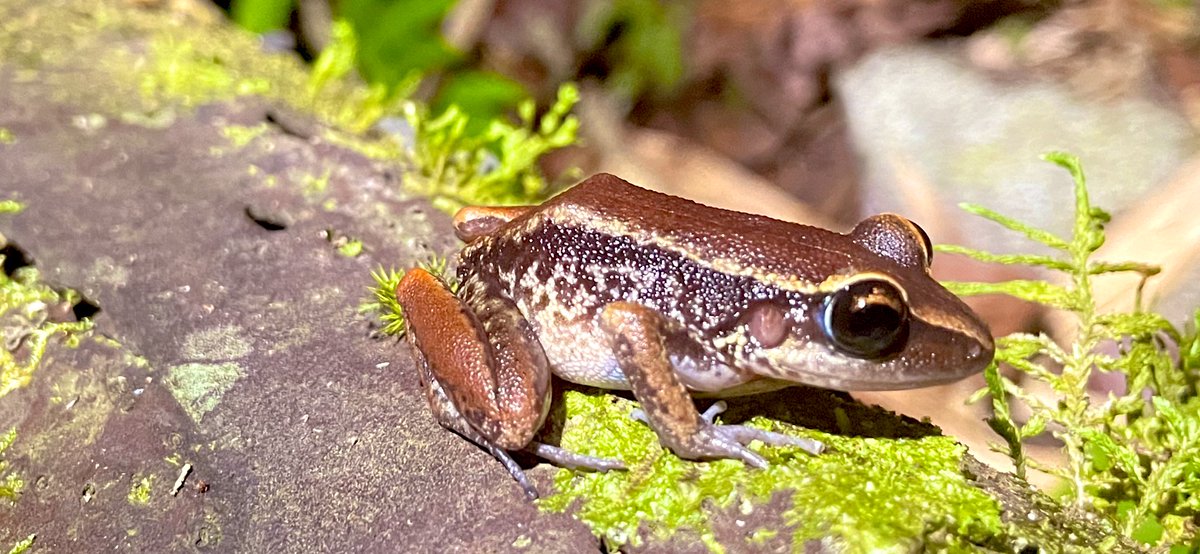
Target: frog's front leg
x,y
639,344
483,371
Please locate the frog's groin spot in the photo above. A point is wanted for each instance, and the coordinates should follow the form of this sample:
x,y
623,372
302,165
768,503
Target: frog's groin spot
x,y
217,343
198,387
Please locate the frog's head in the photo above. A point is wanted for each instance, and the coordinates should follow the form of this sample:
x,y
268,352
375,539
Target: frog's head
x,y
877,321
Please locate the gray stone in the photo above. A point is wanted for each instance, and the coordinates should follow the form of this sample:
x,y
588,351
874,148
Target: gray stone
x,y
925,122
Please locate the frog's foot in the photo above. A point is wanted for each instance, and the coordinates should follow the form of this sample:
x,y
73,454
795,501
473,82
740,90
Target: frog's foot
x,y
638,343
571,460
729,441
744,433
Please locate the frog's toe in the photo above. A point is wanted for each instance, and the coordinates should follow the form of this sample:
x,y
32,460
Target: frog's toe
x,y
512,466
717,408
744,434
729,441
565,458
718,441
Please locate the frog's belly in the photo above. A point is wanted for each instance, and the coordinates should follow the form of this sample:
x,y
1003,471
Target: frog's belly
x,y
579,352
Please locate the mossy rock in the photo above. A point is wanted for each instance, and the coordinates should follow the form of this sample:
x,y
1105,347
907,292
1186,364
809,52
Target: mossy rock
x,y
230,396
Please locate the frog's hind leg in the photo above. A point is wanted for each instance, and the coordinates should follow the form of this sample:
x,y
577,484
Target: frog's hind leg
x,y
448,416
638,342
483,372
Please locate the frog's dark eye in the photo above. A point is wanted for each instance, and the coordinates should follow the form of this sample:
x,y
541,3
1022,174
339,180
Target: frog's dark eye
x,y
867,318
767,324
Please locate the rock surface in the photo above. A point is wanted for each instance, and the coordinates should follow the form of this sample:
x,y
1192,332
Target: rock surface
x,y
236,349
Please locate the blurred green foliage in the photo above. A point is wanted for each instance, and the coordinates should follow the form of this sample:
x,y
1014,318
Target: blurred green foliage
x,y
399,37
480,94
401,40
645,55
260,16
399,43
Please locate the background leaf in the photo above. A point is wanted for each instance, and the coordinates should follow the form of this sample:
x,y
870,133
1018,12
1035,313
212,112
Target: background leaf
x,y
260,16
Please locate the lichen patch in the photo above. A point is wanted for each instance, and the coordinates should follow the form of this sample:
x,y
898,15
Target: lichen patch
x,y
198,387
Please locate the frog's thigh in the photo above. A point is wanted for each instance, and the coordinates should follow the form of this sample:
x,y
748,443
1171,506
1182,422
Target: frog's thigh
x,y
637,341
481,367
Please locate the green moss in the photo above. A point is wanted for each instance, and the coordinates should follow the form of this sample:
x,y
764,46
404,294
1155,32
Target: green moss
x,y
23,304
499,166
182,64
383,303
127,356
196,73
871,493
268,180
188,69
24,545
1130,457
761,536
139,493
351,248
241,135
10,482
6,136
11,207
312,185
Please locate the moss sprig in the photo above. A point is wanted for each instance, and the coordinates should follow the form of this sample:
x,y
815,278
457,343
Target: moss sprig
x,y
1130,456
23,545
383,303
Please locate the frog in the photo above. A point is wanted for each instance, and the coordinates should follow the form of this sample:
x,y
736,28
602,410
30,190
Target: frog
x,y
614,286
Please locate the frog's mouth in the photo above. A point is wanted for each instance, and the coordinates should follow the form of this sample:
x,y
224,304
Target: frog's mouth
x,y
934,357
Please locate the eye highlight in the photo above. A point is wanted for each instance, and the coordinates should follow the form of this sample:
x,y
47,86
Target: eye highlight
x,y
767,324
867,318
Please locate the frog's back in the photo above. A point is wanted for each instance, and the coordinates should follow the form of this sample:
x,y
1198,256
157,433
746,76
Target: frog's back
x,y
563,262
611,205
702,269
